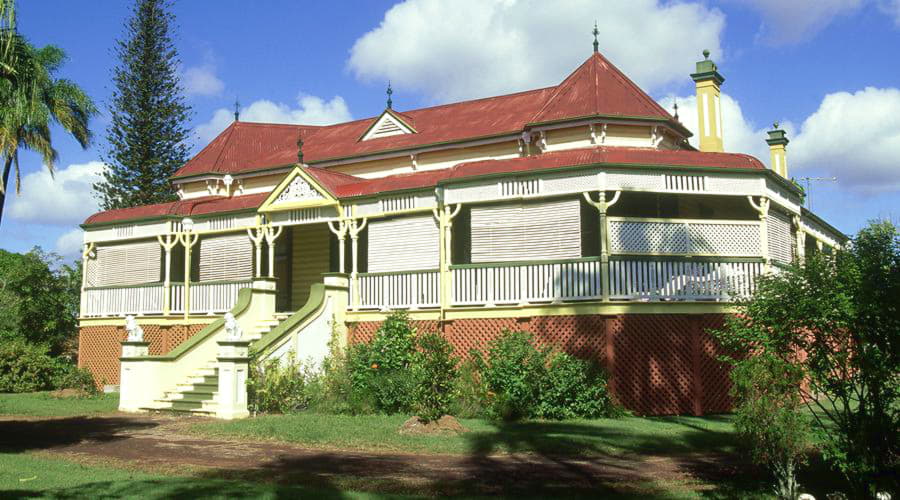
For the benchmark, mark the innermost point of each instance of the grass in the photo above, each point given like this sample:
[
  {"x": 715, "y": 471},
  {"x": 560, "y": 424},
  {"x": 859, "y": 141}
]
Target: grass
[
  {"x": 23, "y": 475},
  {"x": 43, "y": 404},
  {"x": 668, "y": 435}
]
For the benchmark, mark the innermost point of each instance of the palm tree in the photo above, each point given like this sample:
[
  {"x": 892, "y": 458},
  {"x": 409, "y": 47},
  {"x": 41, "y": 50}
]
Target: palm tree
[{"x": 31, "y": 102}]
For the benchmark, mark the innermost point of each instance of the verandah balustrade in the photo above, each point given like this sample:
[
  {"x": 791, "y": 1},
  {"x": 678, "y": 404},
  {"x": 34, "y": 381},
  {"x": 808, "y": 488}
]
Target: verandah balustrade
[{"x": 213, "y": 297}]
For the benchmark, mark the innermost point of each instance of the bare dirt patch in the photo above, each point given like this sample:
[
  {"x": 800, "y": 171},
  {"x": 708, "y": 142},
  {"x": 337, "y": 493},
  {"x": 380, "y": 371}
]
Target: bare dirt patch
[
  {"x": 157, "y": 443},
  {"x": 445, "y": 425}
]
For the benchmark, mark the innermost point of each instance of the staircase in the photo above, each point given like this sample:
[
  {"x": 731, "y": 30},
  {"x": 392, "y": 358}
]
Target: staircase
[{"x": 197, "y": 395}]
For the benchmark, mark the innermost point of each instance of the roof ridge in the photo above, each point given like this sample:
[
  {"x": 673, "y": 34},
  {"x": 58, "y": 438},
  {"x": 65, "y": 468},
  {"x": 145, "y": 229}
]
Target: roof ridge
[
  {"x": 620, "y": 75},
  {"x": 225, "y": 140}
]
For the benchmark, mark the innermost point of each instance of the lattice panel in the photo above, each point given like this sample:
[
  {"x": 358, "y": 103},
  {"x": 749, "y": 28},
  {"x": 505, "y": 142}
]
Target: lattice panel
[
  {"x": 652, "y": 366},
  {"x": 99, "y": 347},
  {"x": 571, "y": 184},
  {"x": 647, "y": 182},
  {"x": 725, "y": 239},
  {"x": 648, "y": 237},
  {"x": 660, "y": 364}
]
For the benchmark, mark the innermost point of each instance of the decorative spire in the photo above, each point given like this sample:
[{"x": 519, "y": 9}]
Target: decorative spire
[
  {"x": 237, "y": 109},
  {"x": 390, "y": 91},
  {"x": 676, "y": 109},
  {"x": 300, "y": 148},
  {"x": 596, "y": 42}
]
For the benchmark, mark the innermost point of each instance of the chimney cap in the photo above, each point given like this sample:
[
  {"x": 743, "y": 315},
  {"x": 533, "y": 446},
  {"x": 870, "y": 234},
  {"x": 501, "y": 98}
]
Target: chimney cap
[
  {"x": 707, "y": 70},
  {"x": 777, "y": 136}
]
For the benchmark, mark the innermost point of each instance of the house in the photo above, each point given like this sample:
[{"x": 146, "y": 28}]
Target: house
[{"x": 578, "y": 212}]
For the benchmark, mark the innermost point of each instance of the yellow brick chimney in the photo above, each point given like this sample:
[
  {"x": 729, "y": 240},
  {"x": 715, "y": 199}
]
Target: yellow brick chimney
[
  {"x": 778, "y": 142},
  {"x": 709, "y": 109}
]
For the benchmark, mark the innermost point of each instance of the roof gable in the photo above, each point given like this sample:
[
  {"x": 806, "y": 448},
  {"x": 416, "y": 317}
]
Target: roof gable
[
  {"x": 388, "y": 124},
  {"x": 297, "y": 190},
  {"x": 597, "y": 87}
]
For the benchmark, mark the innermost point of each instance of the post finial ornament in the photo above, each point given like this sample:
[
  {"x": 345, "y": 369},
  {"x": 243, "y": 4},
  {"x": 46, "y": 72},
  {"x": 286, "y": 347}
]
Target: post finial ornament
[
  {"x": 390, "y": 103},
  {"x": 237, "y": 109},
  {"x": 596, "y": 41}
]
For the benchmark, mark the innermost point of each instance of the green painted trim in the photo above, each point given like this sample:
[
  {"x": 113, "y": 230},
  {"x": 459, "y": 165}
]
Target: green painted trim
[
  {"x": 216, "y": 282},
  {"x": 377, "y": 196},
  {"x": 524, "y": 263},
  {"x": 398, "y": 273},
  {"x": 238, "y": 359},
  {"x": 237, "y": 175},
  {"x": 237, "y": 343},
  {"x": 684, "y": 258},
  {"x": 336, "y": 275},
  {"x": 316, "y": 299},
  {"x": 513, "y": 135},
  {"x": 243, "y": 302}
]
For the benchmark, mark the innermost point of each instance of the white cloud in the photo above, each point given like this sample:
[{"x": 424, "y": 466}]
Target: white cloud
[
  {"x": 64, "y": 199},
  {"x": 854, "y": 137},
  {"x": 310, "y": 110},
  {"x": 69, "y": 244},
  {"x": 796, "y": 21},
  {"x": 511, "y": 45},
  {"x": 202, "y": 80},
  {"x": 891, "y": 8}
]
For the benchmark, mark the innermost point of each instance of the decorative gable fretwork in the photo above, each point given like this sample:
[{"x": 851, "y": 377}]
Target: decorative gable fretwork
[{"x": 297, "y": 190}]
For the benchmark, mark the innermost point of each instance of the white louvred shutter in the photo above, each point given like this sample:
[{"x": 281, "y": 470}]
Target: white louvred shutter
[
  {"x": 526, "y": 231},
  {"x": 227, "y": 257},
  {"x": 403, "y": 244},
  {"x": 129, "y": 264}
]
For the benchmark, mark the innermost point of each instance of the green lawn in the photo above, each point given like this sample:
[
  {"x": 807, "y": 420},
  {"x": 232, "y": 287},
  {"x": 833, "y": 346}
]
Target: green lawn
[
  {"x": 42, "y": 404},
  {"x": 668, "y": 435},
  {"x": 23, "y": 475}
]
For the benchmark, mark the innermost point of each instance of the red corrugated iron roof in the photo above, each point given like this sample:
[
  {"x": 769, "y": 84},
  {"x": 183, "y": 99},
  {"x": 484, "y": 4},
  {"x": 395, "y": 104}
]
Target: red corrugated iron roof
[
  {"x": 346, "y": 186},
  {"x": 182, "y": 208},
  {"x": 594, "y": 88},
  {"x": 598, "y": 155}
]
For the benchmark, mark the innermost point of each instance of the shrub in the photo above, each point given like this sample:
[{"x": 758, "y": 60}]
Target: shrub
[
  {"x": 380, "y": 371},
  {"x": 25, "y": 367},
  {"x": 512, "y": 375},
  {"x": 522, "y": 380},
  {"x": 768, "y": 415},
  {"x": 470, "y": 392},
  {"x": 434, "y": 370},
  {"x": 69, "y": 376},
  {"x": 278, "y": 385},
  {"x": 573, "y": 388}
]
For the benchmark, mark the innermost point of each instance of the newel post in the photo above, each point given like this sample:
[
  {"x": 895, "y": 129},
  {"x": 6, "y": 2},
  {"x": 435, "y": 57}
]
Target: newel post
[
  {"x": 130, "y": 377},
  {"x": 234, "y": 368}
]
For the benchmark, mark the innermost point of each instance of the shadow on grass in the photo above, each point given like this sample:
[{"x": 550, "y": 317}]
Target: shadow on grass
[{"x": 24, "y": 435}]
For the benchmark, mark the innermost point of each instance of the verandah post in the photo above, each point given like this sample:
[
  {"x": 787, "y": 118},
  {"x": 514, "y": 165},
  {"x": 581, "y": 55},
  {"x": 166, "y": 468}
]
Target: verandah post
[{"x": 602, "y": 206}]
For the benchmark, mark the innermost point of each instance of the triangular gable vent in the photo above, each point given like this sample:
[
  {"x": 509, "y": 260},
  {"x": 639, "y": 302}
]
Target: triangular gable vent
[
  {"x": 298, "y": 190},
  {"x": 386, "y": 126}
]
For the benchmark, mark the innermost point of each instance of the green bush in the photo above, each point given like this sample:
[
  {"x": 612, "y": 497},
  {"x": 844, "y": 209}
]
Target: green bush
[
  {"x": 279, "y": 386},
  {"x": 25, "y": 367},
  {"x": 380, "y": 371},
  {"x": 69, "y": 376},
  {"x": 573, "y": 388},
  {"x": 434, "y": 371},
  {"x": 512, "y": 375},
  {"x": 522, "y": 380},
  {"x": 470, "y": 392}
]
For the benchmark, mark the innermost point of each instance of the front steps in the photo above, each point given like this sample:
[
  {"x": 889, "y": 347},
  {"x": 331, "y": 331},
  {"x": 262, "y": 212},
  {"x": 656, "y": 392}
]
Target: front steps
[{"x": 196, "y": 396}]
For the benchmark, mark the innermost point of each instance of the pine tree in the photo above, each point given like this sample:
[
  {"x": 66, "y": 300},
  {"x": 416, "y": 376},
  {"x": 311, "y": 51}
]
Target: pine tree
[{"x": 148, "y": 130}]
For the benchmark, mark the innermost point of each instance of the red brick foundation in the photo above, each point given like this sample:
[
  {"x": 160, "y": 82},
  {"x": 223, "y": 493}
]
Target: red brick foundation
[
  {"x": 99, "y": 347},
  {"x": 659, "y": 364}
]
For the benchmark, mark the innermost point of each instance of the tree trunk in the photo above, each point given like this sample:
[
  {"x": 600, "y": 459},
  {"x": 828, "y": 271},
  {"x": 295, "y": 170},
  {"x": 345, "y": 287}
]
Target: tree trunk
[{"x": 7, "y": 167}]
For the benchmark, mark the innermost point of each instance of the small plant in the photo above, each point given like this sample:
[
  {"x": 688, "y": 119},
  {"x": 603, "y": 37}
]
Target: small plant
[
  {"x": 470, "y": 392},
  {"x": 380, "y": 371},
  {"x": 434, "y": 370},
  {"x": 573, "y": 388},
  {"x": 512, "y": 375},
  {"x": 69, "y": 376}
]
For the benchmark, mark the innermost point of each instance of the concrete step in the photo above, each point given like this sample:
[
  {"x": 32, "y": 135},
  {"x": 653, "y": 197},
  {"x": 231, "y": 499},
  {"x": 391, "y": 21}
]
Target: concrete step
[{"x": 197, "y": 386}]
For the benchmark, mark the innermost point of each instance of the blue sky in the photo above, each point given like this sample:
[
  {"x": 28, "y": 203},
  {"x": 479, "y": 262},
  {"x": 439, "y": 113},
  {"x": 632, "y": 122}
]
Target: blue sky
[{"x": 827, "y": 69}]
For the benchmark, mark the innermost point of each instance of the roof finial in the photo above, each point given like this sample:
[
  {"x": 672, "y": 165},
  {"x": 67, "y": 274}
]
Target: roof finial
[
  {"x": 389, "y": 92},
  {"x": 596, "y": 42},
  {"x": 775, "y": 126},
  {"x": 300, "y": 148},
  {"x": 676, "y": 109},
  {"x": 705, "y": 53},
  {"x": 237, "y": 109}
]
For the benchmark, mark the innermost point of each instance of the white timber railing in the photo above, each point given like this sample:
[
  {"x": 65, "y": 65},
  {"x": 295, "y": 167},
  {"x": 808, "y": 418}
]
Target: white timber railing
[
  {"x": 121, "y": 301},
  {"x": 206, "y": 298},
  {"x": 526, "y": 282},
  {"x": 644, "y": 279},
  {"x": 405, "y": 290}
]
